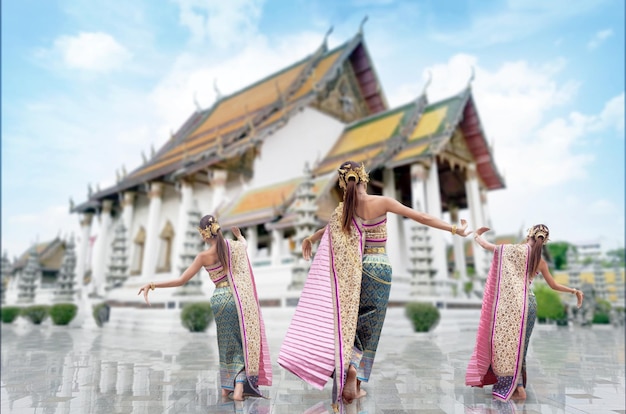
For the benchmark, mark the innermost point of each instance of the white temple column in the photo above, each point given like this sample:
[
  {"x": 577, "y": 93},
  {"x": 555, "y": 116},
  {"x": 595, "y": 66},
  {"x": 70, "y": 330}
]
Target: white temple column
[
  {"x": 433, "y": 207},
  {"x": 252, "y": 237},
  {"x": 396, "y": 241},
  {"x": 485, "y": 207},
  {"x": 186, "y": 201},
  {"x": 218, "y": 183},
  {"x": 128, "y": 208},
  {"x": 460, "y": 266},
  {"x": 418, "y": 188},
  {"x": 476, "y": 217},
  {"x": 276, "y": 248},
  {"x": 152, "y": 232},
  {"x": 83, "y": 252},
  {"x": 101, "y": 249}
]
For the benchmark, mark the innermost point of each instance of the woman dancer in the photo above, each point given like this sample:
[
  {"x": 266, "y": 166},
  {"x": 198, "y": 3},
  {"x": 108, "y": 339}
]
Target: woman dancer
[
  {"x": 243, "y": 350},
  {"x": 349, "y": 281},
  {"x": 508, "y": 314}
]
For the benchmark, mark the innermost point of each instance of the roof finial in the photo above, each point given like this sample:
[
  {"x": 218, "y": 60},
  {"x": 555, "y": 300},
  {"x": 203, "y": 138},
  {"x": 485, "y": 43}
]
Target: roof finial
[
  {"x": 362, "y": 24},
  {"x": 428, "y": 81},
  {"x": 218, "y": 94},
  {"x": 195, "y": 102},
  {"x": 471, "y": 78},
  {"x": 330, "y": 30}
]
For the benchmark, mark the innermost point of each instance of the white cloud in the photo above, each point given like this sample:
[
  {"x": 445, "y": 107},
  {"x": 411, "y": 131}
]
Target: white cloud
[
  {"x": 93, "y": 134},
  {"x": 599, "y": 38},
  {"x": 515, "y": 19},
  {"x": 193, "y": 76},
  {"x": 224, "y": 23},
  {"x": 98, "y": 52}
]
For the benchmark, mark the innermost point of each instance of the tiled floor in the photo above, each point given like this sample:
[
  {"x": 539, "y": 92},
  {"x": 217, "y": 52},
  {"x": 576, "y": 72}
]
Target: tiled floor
[{"x": 49, "y": 369}]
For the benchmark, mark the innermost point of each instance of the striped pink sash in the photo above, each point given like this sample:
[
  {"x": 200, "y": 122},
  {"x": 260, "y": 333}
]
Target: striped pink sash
[{"x": 308, "y": 350}]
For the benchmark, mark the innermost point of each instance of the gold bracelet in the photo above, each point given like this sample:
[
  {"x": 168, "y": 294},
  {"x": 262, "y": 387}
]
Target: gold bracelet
[
  {"x": 152, "y": 286},
  {"x": 453, "y": 231},
  {"x": 574, "y": 292}
]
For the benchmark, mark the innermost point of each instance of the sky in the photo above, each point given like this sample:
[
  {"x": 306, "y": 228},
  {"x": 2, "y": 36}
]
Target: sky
[{"x": 90, "y": 85}]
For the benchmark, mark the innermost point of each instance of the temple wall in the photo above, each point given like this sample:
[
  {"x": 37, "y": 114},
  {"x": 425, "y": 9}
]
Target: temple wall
[{"x": 307, "y": 137}]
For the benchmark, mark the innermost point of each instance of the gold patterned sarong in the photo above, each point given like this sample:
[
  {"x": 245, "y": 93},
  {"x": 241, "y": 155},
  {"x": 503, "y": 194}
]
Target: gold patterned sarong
[
  {"x": 501, "y": 338},
  {"x": 256, "y": 352}
]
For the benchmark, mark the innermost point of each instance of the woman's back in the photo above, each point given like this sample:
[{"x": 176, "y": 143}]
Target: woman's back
[{"x": 370, "y": 207}]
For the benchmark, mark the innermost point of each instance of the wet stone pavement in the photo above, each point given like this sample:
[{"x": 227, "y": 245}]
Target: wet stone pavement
[{"x": 51, "y": 369}]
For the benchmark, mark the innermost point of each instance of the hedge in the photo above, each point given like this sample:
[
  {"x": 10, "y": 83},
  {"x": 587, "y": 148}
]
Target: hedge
[
  {"x": 36, "y": 313},
  {"x": 63, "y": 313},
  {"x": 424, "y": 316},
  {"x": 196, "y": 316},
  {"x": 9, "y": 313}
]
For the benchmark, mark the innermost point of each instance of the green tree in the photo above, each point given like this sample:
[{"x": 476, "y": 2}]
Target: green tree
[
  {"x": 549, "y": 305},
  {"x": 558, "y": 251},
  {"x": 617, "y": 256}
]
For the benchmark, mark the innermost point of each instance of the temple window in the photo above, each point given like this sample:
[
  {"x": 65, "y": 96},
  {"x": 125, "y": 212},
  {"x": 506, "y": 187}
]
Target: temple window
[
  {"x": 140, "y": 241},
  {"x": 166, "y": 239}
]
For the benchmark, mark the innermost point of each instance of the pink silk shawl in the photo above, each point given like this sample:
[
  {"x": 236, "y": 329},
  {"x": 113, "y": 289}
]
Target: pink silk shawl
[
  {"x": 320, "y": 338},
  {"x": 499, "y": 349},
  {"x": 254, "y": 341}
]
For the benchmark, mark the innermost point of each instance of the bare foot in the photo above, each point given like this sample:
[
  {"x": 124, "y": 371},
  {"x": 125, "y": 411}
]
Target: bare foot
[
  {"x": 238, "y": 393},
  {"x": 349, "y": 389},
  {"x": 359, "y": 392},
  {"x": 519, "y": 393}
]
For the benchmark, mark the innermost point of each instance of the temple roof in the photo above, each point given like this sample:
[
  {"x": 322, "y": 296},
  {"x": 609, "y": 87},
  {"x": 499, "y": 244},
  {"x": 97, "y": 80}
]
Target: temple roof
[
  {"x": 49, "y": 254},
  {"x": 415, "y": 131},
  {"x": 264, "y": 204},
  {"x": 236, "y": 123}
]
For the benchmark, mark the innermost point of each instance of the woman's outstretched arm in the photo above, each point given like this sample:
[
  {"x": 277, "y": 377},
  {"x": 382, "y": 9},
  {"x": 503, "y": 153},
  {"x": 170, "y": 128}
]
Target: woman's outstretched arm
[
  {"x": 543, "y": 268},
  {"x": 179, "y": 281},
  {"x": 239, "y": 236},
  {"x": 394, "y": 206},
  {"x": 482, "y": 242},
  {"x": 307, "y": 244}
]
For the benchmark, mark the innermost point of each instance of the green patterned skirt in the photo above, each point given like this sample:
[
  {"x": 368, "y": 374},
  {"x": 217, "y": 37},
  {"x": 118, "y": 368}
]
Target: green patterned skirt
[
  {"x": 375, "y": 288},
  {"x": 228, "y": 337}
]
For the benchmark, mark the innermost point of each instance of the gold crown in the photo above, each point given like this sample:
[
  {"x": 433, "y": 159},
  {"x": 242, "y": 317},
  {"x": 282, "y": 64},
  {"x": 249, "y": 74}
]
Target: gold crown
[
  {"x": 346, "y": 172},
  {"x": 539, "y": 231},
  {"x": 210, "y": 230}
]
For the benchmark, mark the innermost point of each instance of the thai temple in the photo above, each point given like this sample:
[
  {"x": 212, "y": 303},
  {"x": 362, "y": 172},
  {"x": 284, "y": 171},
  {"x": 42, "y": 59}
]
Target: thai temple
[{"x": 264, "y": 159}]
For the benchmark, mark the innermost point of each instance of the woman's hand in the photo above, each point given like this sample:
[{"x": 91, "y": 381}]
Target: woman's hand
[
  {"x": 481, "y": 230},
  {"x": 579, "y": 296},
  {"x": 307, "y": 248},
  {"x": 236, "y": 232},
  {"x": 145, "y": 289},
  {"x": 462, "y": 231}
]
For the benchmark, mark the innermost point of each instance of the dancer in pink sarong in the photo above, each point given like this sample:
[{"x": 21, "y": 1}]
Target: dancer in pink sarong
[
  {"x": 336, "y": 327},
  {"x": 508, "y": 314},
  {"x": 243, "y": 351}
]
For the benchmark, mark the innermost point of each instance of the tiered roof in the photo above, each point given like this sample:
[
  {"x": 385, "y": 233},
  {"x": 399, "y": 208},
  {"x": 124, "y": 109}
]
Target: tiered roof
[
  {"x": 50, "y": 255},
  {"x": 264, "y": 204},
  {"x": 231, "y": 129},
  {"x": 415, "y": 131}
]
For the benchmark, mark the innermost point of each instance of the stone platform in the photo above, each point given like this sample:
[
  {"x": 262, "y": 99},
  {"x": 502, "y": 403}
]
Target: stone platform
[{"x": 51, "y": 369}]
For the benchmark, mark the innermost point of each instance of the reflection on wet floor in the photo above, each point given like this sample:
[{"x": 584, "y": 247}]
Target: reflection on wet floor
[{"x": 49, "y": 369}]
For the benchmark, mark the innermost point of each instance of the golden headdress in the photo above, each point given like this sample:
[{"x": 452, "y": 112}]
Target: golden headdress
[
  {"x": 540, "y": 230},
  {"x": 210, "y": 230},
  {"x": 347, "y": 171}
]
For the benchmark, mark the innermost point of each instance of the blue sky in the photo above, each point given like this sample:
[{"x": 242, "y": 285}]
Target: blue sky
[{"x": 87, "y": 86}]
